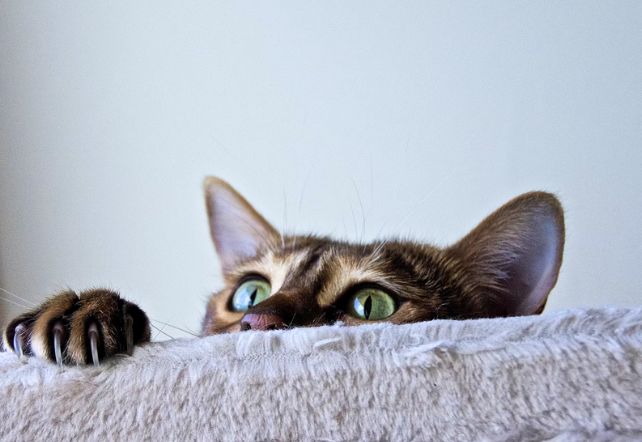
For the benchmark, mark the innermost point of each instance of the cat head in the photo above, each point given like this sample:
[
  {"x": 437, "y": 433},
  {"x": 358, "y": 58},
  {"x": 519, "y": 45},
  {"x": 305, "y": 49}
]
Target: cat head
[{"x": 506, "y": 266}]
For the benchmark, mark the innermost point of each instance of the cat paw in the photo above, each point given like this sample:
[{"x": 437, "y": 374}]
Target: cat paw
[{"x": 78, "y": 329}]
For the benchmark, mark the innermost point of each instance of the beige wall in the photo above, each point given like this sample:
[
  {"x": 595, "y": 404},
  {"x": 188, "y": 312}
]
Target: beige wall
[{"x": 356, "y": 119}]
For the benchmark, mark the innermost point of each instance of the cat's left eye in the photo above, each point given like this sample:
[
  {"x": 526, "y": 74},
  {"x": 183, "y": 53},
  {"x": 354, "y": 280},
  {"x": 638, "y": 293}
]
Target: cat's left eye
[
  {"x": 371, "y": 304},
  {"x": 249, "y": 294}
]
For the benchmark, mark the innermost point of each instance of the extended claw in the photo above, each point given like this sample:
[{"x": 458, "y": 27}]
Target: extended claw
[
  {"x": 58, "y": 331},
  {"x": 17, "y": 340},
  {"x": 93, "y": 343}
]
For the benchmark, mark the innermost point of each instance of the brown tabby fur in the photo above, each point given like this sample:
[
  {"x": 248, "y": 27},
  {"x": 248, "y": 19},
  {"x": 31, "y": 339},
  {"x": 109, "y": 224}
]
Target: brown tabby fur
[{"x": 312, "y": 278}]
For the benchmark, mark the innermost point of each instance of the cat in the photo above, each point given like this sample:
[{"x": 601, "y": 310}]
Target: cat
[{"x": 506, "y": 266}]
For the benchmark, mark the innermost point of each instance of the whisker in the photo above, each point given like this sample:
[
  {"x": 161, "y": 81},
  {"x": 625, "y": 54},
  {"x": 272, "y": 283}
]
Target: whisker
[
  {"x": 416, "y": 207},
  {"x": 15, "y": 303},
  {"x": 318, "y": 320},
  {"x": 18, "y": 297},
  {"x": 292, "y": 320},
  {"x": 354, "y": 221},
  {"x": 175, "y": 327},
  {"x": 162, "y": 331},
  {"x": 363, "y": 213},
  {"x": 285, "y": 219}
]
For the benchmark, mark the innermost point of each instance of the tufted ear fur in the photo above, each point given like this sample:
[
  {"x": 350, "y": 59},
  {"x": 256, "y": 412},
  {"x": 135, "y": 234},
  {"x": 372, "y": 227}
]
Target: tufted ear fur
[
  {"x": 513, "y": 257},
  {"x": 238, "y": 230}
]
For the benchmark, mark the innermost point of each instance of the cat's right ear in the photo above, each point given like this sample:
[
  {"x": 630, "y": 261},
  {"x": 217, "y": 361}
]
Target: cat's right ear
[
  {"x": 512, "y": 258},
  {"x": 238, "y": 230}
]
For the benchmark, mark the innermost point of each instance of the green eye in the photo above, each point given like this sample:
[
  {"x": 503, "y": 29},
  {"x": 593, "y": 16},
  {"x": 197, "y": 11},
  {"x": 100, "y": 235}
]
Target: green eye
[
  {"x": 249, "y": 294},
  {"x": 371, "y": 304}
]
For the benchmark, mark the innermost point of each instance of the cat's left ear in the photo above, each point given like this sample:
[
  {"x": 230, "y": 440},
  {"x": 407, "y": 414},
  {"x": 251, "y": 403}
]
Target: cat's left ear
[
  {"x": 513, "y": 257},
  {"x": 238, "y": 230}
]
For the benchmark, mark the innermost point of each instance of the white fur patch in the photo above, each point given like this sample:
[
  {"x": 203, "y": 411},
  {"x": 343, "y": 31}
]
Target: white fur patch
[
  {"x": 39, "y": 345},
  {"x": 275, "y": 268}
]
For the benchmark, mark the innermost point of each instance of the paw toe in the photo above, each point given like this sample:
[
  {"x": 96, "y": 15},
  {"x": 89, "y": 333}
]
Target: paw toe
[
  {"x": 49, "y": 330},
  {"x": 73, "y": 329}
]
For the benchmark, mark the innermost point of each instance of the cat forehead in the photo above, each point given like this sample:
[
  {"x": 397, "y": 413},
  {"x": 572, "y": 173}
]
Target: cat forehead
[{"x": 331, "y": 266}]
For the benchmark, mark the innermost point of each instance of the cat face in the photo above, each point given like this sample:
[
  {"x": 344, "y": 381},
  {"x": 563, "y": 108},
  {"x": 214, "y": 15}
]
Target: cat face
[{"x": 506, "y": 266}]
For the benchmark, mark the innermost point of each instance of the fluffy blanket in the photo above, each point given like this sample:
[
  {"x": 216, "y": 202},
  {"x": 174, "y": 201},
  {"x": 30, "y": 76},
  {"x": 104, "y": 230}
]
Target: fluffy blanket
[{"x": 573, "y": 375}]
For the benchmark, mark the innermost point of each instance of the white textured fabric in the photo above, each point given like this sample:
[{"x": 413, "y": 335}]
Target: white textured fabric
[{"x": 574, "y": 375}]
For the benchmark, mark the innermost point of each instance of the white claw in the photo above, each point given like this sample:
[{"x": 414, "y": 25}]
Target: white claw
[
  {"x": 93, "y": 343},
  {"x": 57, "y": 338},
  {"x": 129, "y": 334},
  {"x": 17, "y": 340}
]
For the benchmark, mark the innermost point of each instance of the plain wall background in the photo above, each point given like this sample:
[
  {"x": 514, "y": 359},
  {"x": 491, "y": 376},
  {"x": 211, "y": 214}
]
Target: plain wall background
[{"x": 358, "y": 119}]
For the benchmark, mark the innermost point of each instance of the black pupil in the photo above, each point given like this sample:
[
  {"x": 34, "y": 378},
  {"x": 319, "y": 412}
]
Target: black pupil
[
  {"x": 253, "y": 295},
  {"x": 367, "y": 307}
]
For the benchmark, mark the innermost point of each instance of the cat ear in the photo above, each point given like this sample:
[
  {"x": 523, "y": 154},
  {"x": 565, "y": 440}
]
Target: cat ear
[
  {"x": 238, "y": 230},
  {"x": 513, "y": 257}
]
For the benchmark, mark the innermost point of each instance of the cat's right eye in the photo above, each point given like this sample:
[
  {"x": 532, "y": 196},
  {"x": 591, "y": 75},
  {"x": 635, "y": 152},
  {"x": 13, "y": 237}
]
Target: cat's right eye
[
  {"x": 371, "y": 304},
  {"x": 250, "y": 293}
]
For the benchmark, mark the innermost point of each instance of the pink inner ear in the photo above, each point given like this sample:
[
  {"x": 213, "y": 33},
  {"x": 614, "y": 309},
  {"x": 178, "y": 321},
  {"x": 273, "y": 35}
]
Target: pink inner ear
[
  {"x": 236, "y": 233},
  {"x": 239, "y": 232},
  {"x": 533, "y": 273},
  {"x": 513, "y": 257}
]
